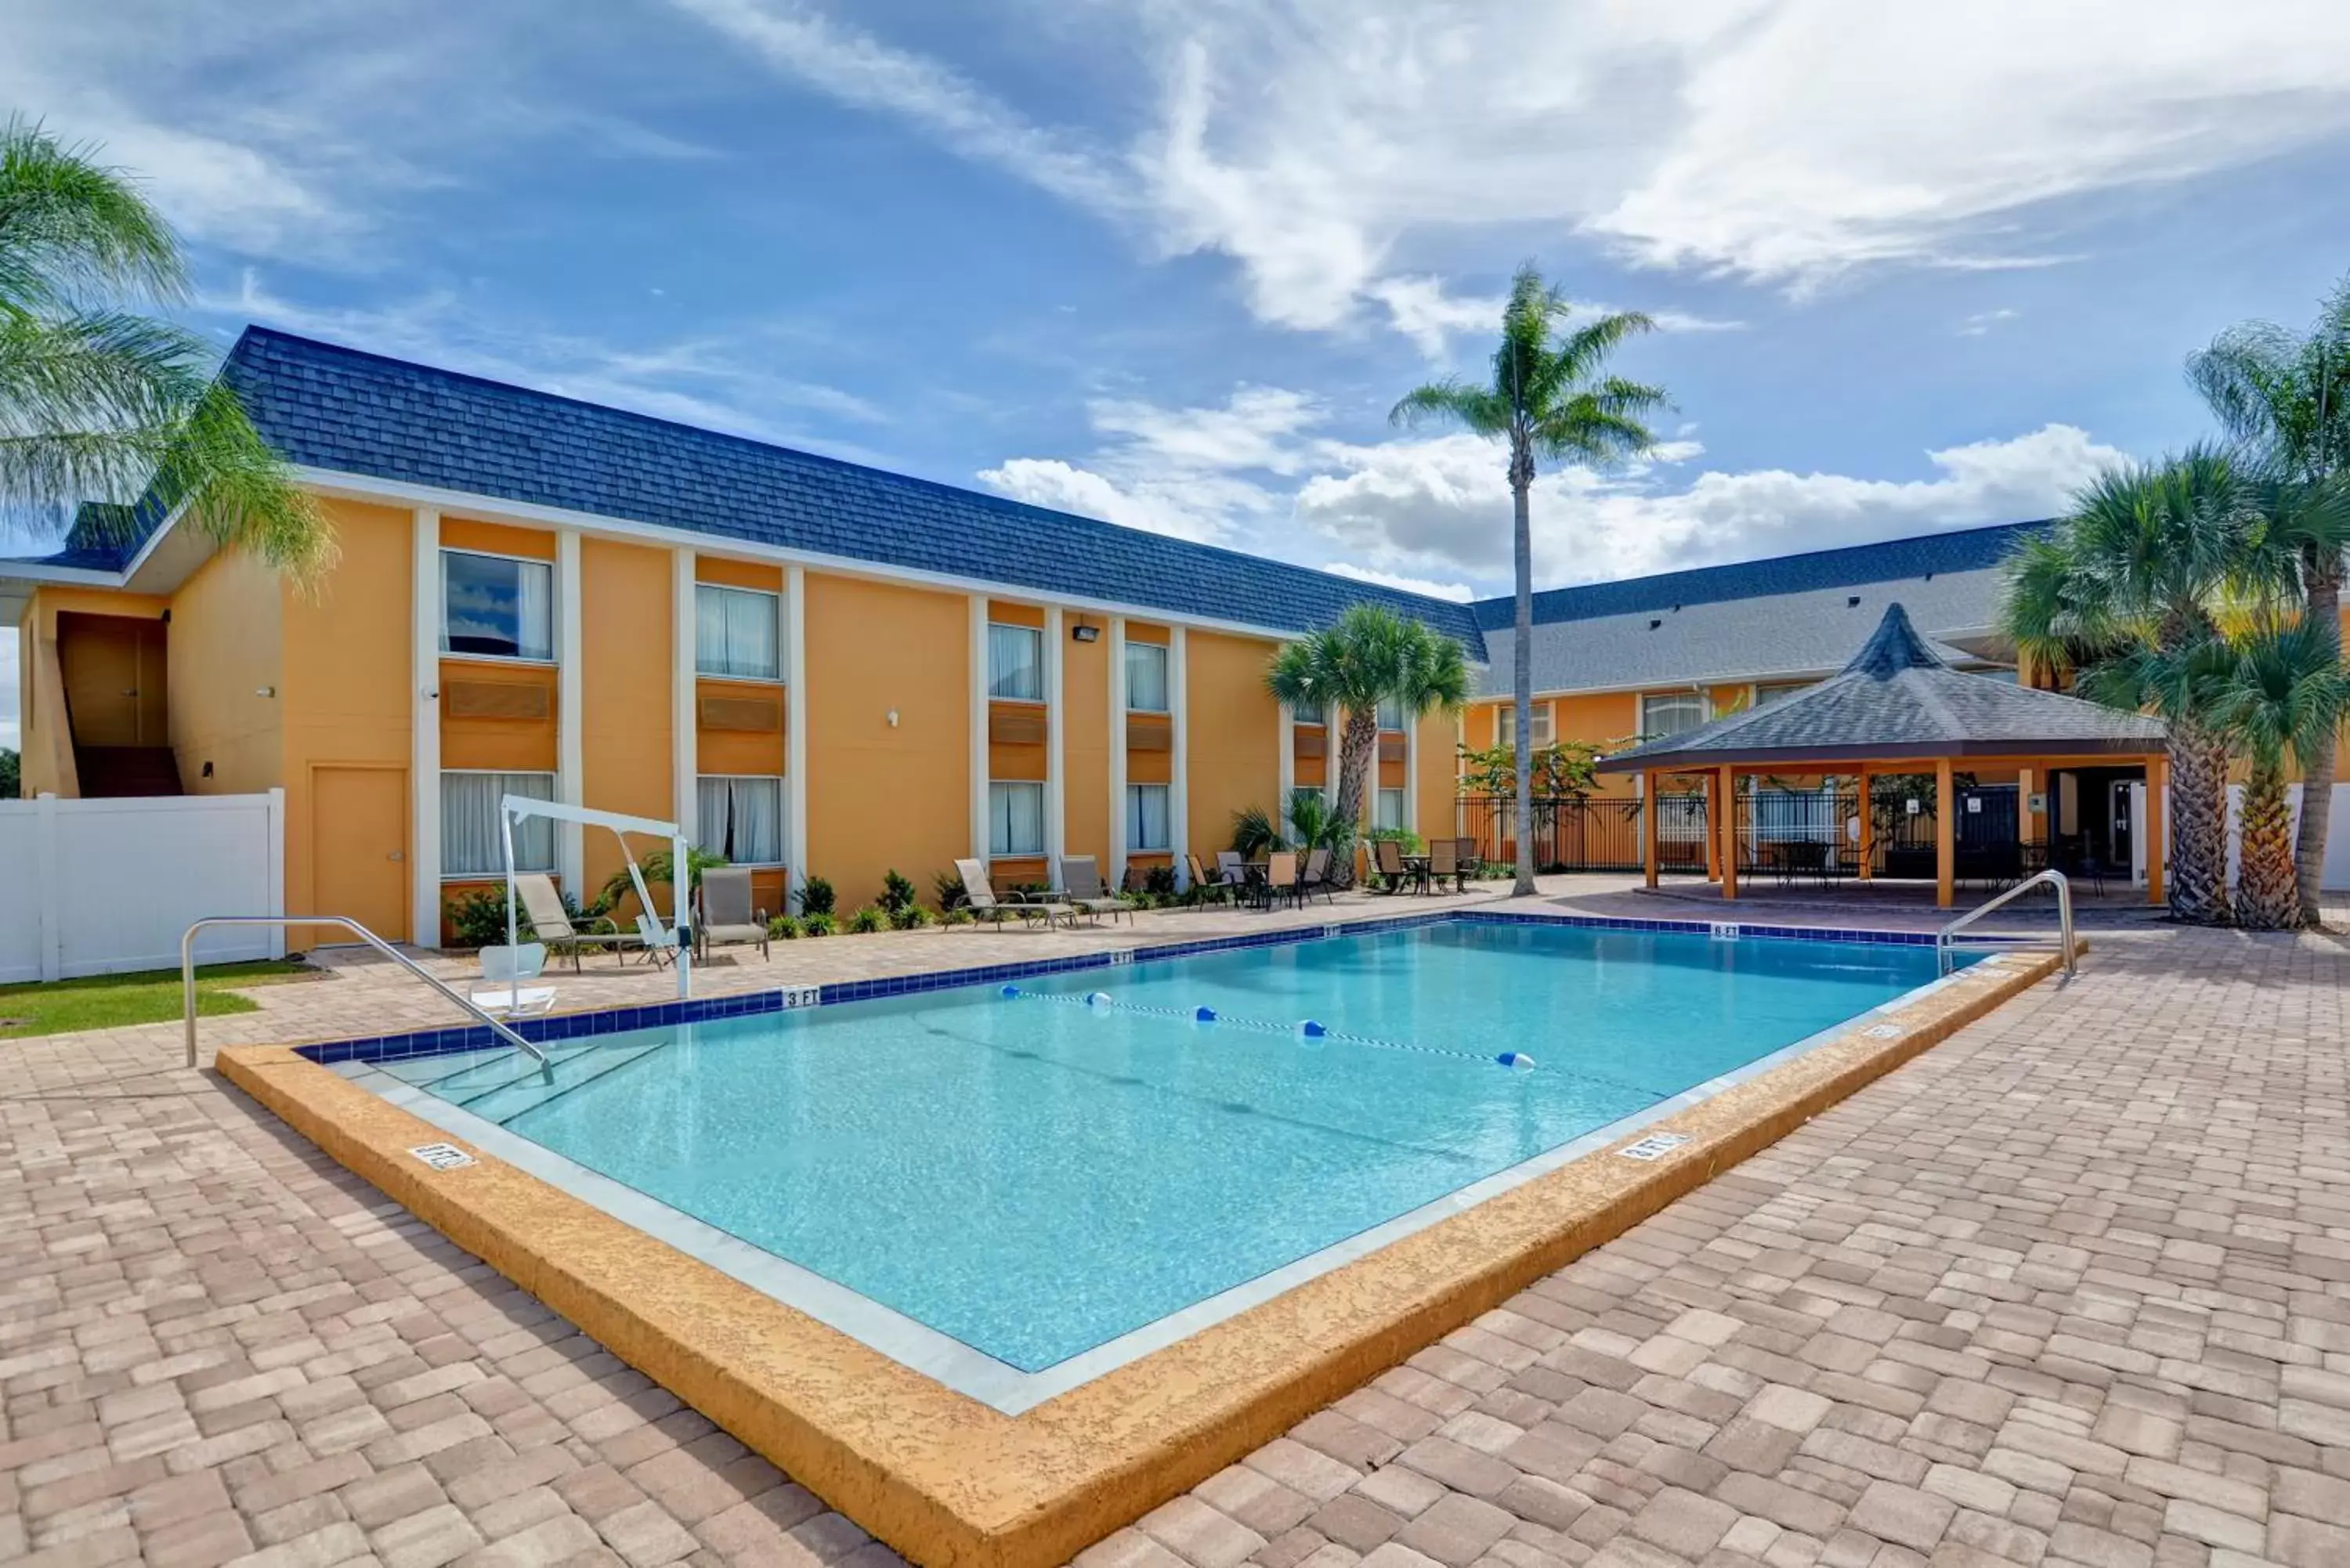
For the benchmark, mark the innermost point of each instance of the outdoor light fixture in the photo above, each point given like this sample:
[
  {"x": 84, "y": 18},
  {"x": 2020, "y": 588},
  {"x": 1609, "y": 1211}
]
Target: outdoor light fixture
[{"x": 1084, "y": 633}]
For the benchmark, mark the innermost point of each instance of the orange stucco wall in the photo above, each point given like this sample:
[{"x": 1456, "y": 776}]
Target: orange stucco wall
[
  {"x": 624, "y": 747},
  {"x": 227, "y": 647},
  {"x": 750, "y": 751},
  {"x": 346, "y": 691},
  {"x": 496, "y": 538},
  {"x": 879, "y": 795},
  {"x": 1084, "y": 744},
  {"x": 1436, "y": 766},
  {"x": 1232, "y": 734}
]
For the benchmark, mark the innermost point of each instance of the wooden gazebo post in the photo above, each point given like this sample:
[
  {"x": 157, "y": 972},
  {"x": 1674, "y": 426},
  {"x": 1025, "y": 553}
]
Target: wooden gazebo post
[
  {"x": 1945, "y": 835},
  {"x": 1653, "y": 808},
  {"x": 1866, "y": 849},
  {"x": 2157, "y": 787},
  {"x": 1729, "y": 833}
]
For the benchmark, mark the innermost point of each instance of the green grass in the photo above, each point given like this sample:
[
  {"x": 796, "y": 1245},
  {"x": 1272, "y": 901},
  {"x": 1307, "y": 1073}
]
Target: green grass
[{"x": 144, "y": 996}]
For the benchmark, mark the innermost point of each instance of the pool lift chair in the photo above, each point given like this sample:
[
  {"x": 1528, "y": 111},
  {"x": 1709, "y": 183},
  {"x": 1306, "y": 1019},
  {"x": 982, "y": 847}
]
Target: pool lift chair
[{"x": 674, "y": 939}]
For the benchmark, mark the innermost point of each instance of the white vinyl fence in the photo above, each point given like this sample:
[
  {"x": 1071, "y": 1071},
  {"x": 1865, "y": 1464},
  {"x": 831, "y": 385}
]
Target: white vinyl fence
[
  {"x": 2336, "y": 876},
  {"x": 99, "y": 887}
]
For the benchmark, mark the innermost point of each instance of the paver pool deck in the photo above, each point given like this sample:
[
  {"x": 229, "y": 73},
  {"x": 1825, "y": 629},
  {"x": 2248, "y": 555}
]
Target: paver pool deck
[{"x": 2073, "y": 1287}]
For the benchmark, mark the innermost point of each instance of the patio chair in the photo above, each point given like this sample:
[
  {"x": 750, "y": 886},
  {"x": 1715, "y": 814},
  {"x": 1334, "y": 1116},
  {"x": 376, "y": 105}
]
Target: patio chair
[
  {"x": 1318, "y": 877},
  {"x": 1029, "y": 907},
  {"x": 722, "y": 913},
  {"x": 1386, "y": 862},
  {"x": 1472, "y": 864},
  {"x": 1083, "y": 884},
  {"x": 1444, "y": 865},
  {"x": 1231, "y": 869},
  {"x": 1281, "y": 879},
  {"x": 1212, "y": 887},
  {"x": 499, "y": 992},
  {"x": 550, "y": 922}
]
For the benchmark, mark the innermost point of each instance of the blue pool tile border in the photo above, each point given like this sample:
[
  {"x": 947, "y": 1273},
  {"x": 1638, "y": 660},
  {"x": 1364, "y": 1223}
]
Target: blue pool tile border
[{"x": 571, "y": 1026}]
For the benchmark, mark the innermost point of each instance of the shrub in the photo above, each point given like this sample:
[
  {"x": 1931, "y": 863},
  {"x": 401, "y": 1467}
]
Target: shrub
[
  {"x": 783, "y": 929},
  {"x": 478, "y": 917},
  {"x": 912, "y": 918},
  {"x": 946, "y": 886},
  {"x": 817, "y": 925},
  {"x": 958, "y": 916},
  {"x": 1159, "y": 885},
  {"x": 1253, "y": 832},
  {"x": 871, "y": 918},
  {"x": 1409, "y": 841},
  {"x": 816, "y": 896},
  {"x": 896, "y": 892}
]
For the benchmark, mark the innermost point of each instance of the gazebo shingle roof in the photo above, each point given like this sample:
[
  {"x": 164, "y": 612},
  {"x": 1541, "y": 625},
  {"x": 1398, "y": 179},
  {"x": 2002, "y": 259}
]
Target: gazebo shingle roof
[{"x": 1897, "y": 700}]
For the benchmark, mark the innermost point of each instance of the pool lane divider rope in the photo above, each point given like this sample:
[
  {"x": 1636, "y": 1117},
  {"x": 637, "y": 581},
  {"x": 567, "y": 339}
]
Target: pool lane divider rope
[{"x": 1303, "y": 1029}]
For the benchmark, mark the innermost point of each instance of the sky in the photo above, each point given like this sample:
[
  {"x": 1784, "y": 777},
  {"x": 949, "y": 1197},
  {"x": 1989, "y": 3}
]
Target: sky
[{"x": 1172, "y": 264}]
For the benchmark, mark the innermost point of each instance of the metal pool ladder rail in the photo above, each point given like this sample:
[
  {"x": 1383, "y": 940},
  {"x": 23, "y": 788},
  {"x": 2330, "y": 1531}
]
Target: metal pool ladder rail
[
  {"x": 188, "y": 973},
  {"x": 1947, "y": 937}
]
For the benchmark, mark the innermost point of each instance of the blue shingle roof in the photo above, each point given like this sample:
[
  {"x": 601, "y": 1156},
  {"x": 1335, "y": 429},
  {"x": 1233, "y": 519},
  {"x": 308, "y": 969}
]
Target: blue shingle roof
[
  {"x": 338, "y": 409},
  {"x": 1954, "y": 550}
]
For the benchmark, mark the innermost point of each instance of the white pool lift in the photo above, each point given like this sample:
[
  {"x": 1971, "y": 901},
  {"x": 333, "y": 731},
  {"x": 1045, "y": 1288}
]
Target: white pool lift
[{"x": 674, "y": 937}]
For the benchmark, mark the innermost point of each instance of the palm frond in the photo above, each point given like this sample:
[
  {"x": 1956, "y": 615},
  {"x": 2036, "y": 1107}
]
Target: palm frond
[
  {"x": 1473, "y": 408},
  {"x": 70, "y": 225}
]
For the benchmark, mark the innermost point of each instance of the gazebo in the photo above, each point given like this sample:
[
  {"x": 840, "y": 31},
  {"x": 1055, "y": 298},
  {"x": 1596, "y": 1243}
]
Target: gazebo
[{"x": 1897, "y": 707}]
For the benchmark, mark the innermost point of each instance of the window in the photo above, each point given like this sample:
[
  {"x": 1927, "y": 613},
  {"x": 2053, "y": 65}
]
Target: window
[
  {"x": 1016, "y": 819},
  {"x": 1505, "y": 729},
  {"x": 1147, "y": 825},
  {"x": 1146, "y": 678},
  {"x": 739, "y": 817},
  {"x": 469, "y": 823},
  {"x": 1772, "y": 692},
  {"x": 1306, "y": 712},
  {"x": 735, "y": 632},
  {"x": 2005, "y": 677},
  {"x": 1390, "y": 812},
  {"x": 1390, "y": 714},
  {"x": 494, "y": 607},
  {"x": 1015, "y": 663},
  {"x": 1671, "y": 713}
]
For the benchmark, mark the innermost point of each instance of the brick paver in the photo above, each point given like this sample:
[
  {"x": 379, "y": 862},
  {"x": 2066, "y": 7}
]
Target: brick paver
[{"x": 2071, "y": 1288}]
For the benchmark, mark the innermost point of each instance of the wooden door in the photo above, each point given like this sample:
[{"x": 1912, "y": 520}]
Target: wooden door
[
  {"x": 113, "y": 672},
  {"x": 359, "y": 849}
]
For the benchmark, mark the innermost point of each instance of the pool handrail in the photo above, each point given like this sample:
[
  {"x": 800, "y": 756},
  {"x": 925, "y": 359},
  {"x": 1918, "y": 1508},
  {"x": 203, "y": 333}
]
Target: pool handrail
[
  {"x": 188, "y": 973},
  {"x": 1947, "y": 937}
]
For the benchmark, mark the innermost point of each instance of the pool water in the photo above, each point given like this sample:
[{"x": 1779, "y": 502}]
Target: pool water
[{"x": 1033, "y": 1176}]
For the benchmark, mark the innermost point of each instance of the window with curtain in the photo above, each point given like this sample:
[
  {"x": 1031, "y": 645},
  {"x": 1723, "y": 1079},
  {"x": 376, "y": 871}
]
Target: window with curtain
[
  {"x": 1672, "y": 713},
  {"x": 735, "y": 632},
  {"x": 740, "y": 818},
  {"x": 1015, "y": 663},
  {"x": 1148, "y": 825},
  {"x": 469, "y": 823},
  {"x": 1146, "y": 678},
  {"x": 1390, "y": 809},
  {"x": 1307, "y": 712},
  {"x": 1015, "y": 819},
  {"x": 1507, "y": 727},
  {"x": 1772, "y": 692},
  {"x": 495, "y": 606},
  {"x": 1390, "y": 714}
]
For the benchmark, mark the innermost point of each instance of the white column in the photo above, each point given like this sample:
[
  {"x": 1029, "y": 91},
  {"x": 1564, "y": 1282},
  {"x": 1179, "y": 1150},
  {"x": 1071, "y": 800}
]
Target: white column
[
  {"x": 1117, "y": 752},
  {"x": 1179, "y": 761},
  {"x": 424, "y": 729},
  {"x": 570, "y": 767},
  {"x": 685, "y": 734},
  {"x": 1410, "y": 775},
  {"x": 1287, "y": 730},
  {"x": 796, "y": 766},
  {"x": 979, "y": 755},
  {"x": 1056, "y": 825}
]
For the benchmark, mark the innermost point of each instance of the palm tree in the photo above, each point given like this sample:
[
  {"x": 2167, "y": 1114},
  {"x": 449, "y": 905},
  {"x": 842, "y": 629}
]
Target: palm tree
[
  {"x": 1549, "y": 398},
  {"x": 2144, "y": 564},
  {"x": 1367, "y": 657},
  {"x": 2278, "y": 695},
  {"x": 2286, "y": 395},
  {"x": 99, "y": 403}
]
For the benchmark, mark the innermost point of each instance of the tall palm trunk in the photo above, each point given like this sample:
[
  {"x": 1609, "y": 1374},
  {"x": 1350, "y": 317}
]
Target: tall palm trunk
[
  {"x": 1521, "y": 658},
  {"x": 2199, "y": 818},
  {"x": 2322, "y": 590},
  {"x": 1358, "y": 740},
  {"x": 2266, "y": 897}
]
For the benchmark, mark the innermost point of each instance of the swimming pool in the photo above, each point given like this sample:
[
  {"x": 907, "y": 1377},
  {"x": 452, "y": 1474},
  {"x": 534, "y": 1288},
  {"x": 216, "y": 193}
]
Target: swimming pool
[{"x": 1039, "y": 1176}]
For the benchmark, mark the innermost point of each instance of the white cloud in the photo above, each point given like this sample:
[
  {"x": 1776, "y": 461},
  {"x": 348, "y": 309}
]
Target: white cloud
[
  {"x": 1982, "y": 321},
  {"x": 1458, "y": 592}
]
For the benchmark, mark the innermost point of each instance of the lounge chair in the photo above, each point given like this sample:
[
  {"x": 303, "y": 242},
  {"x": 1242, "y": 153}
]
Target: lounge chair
[
  {"x": 723, "y": 914},
  {"x": 1444, "y": 865},
  {"x": 1083, "y": 884},
  {"x": 1387, "y": 861},
  {"x": 499, "y": 991},
  {"x": 1318, "y": 877},
  {"x": 550, "y": 922},
  {"x": 1029, "y": 907}
]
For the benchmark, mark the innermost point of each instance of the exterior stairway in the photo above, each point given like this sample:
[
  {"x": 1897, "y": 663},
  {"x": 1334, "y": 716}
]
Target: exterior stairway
[{"x": 115, "y": 772}]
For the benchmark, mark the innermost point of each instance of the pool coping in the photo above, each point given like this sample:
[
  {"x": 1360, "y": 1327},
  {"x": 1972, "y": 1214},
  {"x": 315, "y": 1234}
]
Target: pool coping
[{"x": 947, "y": 1478}]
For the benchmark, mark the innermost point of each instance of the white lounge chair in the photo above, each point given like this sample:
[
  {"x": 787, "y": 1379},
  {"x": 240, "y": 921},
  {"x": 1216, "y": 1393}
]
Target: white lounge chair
[
  {"x": 499, "y": 991},
  {"x": 1086, "y": 890},
  {"x": 550, "y": 922}
]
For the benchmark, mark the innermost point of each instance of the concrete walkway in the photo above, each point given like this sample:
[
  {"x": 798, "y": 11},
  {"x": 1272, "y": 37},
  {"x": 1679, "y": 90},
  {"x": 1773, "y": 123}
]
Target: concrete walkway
[{"x": 2071, "y": 1288}]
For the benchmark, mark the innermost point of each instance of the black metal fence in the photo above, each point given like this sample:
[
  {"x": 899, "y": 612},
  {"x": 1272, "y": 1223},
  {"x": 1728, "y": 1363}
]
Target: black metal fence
[{"x": 1792, "y": 831}]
